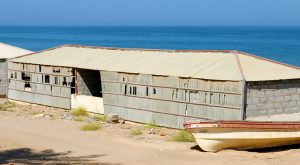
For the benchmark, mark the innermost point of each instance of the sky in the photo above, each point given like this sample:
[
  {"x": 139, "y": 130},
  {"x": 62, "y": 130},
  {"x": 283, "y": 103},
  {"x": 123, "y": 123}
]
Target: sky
[{"x": 149, "y": 12}]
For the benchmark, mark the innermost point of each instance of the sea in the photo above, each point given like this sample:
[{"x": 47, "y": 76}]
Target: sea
[{"x": 277, "y": 43}]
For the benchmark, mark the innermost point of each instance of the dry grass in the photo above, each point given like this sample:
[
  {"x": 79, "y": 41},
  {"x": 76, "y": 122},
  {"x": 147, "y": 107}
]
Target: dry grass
[
  {"x": 7, "y": 105},
  {"x": 35, "y": 113},
  {"x": 91, "y": 127},
  {"x": 136, "y": 132},
  {"x": 152, "y": 124},
  {"x": 79, "y": 118},
  {"x": 99, "y": 118},
  {"x": 182, "y": 136},
  {"x": 79, "y": 111}
]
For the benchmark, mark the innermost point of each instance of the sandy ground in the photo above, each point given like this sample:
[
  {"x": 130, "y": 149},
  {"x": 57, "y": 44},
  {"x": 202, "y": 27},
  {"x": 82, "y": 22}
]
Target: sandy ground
[{"x": 25, "y": 139}]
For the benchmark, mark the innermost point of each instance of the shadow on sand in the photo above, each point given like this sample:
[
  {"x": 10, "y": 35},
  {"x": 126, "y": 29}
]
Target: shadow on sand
[
  {"x": 28, "y": 156},
  {"x": 263, "y": 150},
  {"x": 276, "y": 149}
]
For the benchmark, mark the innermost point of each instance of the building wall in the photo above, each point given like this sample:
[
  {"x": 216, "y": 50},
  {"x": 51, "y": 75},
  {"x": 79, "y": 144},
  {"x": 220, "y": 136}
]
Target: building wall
[
  {"x": 169, "y": 101},
  {"x": 38, "y": 84},
  {"x": 272, "y": 98},
  {"x": 3, "y": 77}
]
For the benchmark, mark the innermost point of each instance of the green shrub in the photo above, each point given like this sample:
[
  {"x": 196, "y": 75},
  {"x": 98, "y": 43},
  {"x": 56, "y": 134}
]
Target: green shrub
[
  {"x": 182, "y": 136},
  {"x": 152, "y": 124},
  {"x": 136, "y": 132},
  {"x": 79, "y": 111},
  {"x": 79, "y": 118},
  {"x": 99, "y": 118},
  {"x": 35, "y": 113},
  {"x": 90, "y": 127},
  {"x": 7, "y": 105}
]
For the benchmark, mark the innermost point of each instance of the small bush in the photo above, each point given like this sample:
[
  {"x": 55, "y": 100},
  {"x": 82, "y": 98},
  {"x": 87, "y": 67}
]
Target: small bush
[
  {"x": 79, "y": 111},
  {"x": 35, "y": 113},
  {"x": 182, "y": 136},
  {"x": 90, "y": 127},
  {"x": 79, "y": 118},
  {"x": 7, "y": 105},
  {"x": 99, "y": 118},
  {"x": 151, "y": 125},
  {"x": 136, "y": 132}
]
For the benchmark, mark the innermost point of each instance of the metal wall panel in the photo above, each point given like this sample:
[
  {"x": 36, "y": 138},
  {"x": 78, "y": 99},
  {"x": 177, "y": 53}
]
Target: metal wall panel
[
  {"x": 3, "y": 77},
  {"x": 55, "y": 93},
  {"x": 169, "y": 101}
]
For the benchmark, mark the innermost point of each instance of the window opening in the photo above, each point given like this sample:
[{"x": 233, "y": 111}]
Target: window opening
[
  {"x": 125, "y": 90},
  {"x": 56, "y": 80},
  {"x": 47, "y": 79},
  {"x": 147, "y": 91},
  {"x": 65, "y": 81},
  {"x": 27, "y": 86},
  {"x": 25, "y": 76},
  {"x": 56, "y": 70},
  {"x": 134, "y": 90}
]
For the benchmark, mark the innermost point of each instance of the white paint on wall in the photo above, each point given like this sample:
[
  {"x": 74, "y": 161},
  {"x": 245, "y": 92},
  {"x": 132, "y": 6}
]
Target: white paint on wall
[{"x": 91, "y": 103}]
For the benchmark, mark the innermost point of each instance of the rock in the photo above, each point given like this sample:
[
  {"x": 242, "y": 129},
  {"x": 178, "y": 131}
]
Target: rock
[
  {"x": 90, "y": 120},
  {"x": 122, "y": 121},
  {"x": 112, "y": 118},
  {"x": 67, "y": 117},
  {"x": 49, "y": 116},
  {"x": 152, "y": 131},
  {"x": 41, "y": 115}
]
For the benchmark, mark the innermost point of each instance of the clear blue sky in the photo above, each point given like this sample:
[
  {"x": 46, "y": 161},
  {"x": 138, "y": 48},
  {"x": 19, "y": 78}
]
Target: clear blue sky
[{"x": 149, "y": 12}]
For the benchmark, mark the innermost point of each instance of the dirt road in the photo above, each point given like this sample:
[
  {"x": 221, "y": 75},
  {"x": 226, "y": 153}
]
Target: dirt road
[{"x": 29, "y": 140}]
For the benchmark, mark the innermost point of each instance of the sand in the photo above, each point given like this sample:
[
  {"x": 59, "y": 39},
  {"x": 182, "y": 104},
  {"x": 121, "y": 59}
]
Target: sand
[{"x": 25, "y": 139}]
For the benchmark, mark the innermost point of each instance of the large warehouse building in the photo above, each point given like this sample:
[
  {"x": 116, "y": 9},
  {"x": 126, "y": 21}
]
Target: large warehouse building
[
  {"x": 7, "y": 52},
  {"x": 164, "y": 86}
]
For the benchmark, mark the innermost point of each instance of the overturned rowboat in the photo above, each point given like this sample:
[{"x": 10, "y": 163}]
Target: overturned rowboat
[{"x": 214, "y": 136}]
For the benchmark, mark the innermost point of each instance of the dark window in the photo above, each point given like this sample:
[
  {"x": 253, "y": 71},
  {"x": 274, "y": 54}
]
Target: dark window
[
  {"x": 147, "y": 91},
  {"x": 123, "y": 78},
  {"x": 154, "y": 91},
  {"x": 27, "y": 85},
  {"x": 47, "y": 79},
  {"x": 65, "y": 81},
  {"x": 125, "y": 90},
  {"x": 16, "y": 75},
  {"x": 40, "y": 68},
  {"x": 56, "y": 70},
  {"x": 25, "y": 76},
  {"x": 130, "y": 90},
  {"x": 11, "y": 75},
  {"x": 56, "y": 80},
  {"x": 134, "y": 90},
  {"x": 73, "y": 86}
]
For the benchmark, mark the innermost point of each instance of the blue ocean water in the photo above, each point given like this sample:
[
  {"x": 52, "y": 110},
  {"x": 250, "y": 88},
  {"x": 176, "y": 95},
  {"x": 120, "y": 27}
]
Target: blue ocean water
[{"x": 277, "y": 43}]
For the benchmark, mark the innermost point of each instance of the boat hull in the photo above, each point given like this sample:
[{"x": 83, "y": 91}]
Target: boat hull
[{"x": 215, "y": 137}]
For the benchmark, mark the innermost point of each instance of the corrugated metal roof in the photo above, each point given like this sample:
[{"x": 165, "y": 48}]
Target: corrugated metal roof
[
  {"x": 213, "y": 65},
  {"x": 9, "y": 51}
]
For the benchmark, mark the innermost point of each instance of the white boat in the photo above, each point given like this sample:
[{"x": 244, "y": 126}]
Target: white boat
[{"x": 214, "y": 136}]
